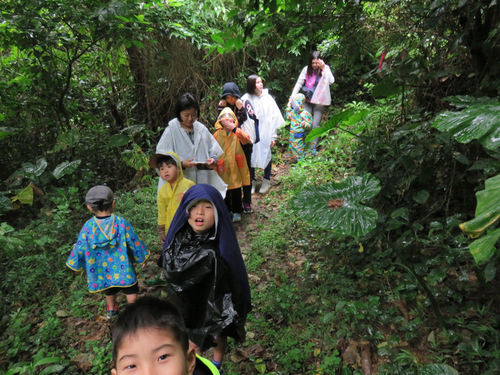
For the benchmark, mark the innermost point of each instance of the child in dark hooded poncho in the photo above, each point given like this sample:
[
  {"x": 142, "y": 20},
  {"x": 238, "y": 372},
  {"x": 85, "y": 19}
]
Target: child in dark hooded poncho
[{"x": 205, "y": 272}]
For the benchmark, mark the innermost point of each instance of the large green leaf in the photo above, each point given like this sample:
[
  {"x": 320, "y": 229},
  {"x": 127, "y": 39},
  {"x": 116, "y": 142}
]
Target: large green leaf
[
  {"x": 487, "y": 215},
  {"x": 487, "y": 209},
  {"x": 348, "y": 117},
  {"x": 480, "y": 120},
  {"x": 25, "y": 196},
  {"x": 34, "y": 170},
  {"x": 65, "y": 168},
  {"x": 118, "y": 140},
  {"x": 484, "y": 248},
  {"x": 339, "y": 206}
]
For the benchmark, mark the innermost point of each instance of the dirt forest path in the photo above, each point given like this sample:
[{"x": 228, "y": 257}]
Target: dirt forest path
[{"x": 265, "y": 207}]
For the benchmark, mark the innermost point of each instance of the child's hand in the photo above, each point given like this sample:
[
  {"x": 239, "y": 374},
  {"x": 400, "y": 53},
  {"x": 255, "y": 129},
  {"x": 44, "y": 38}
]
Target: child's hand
[
  {"x": 239, "y": 104},
  {"x": 222, "y": 103},
  {"x": 188, "y": 163}
]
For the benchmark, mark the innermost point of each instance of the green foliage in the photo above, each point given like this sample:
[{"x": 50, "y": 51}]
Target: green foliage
[
  {"x": 478, "y": 120},
  {"x": 487, "y": 214},
  {"x": 86, "y": 91},
  {"x": 339, "y": 206},
  {"x": 41, "y": 365},
  {"x": 348, "y": 118}
]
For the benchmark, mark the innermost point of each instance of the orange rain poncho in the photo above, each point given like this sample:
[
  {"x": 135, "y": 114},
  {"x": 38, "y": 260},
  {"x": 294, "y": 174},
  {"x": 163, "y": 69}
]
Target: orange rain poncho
[{"x": 232, "y": 165}]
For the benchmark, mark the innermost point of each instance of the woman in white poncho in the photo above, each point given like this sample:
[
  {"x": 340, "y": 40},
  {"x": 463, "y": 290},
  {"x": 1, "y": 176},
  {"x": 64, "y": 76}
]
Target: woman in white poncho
[
  {"x": 269, "y": 119},
  {"x": 193, "y": 143}
]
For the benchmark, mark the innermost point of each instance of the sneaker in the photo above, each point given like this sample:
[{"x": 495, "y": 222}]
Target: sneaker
[
  {"x": 266, "y": 184},
  {"x": 247, "y": 208},
  {"x": 236, "y": 217},
  {"x": 112, "y": 313}
]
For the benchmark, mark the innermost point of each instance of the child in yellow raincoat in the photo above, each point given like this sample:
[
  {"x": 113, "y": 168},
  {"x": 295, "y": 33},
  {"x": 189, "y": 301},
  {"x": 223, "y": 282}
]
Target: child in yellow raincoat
[
  {"x": 170, "y": 194},
  {"x": 232, "y": 165}
]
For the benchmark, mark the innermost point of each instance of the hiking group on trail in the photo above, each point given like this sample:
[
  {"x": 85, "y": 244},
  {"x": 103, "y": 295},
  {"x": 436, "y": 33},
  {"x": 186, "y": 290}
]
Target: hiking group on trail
[{"x": 205, "y": 184}]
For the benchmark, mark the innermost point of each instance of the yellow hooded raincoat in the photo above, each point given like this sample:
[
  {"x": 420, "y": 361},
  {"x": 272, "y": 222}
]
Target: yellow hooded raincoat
[{"x": 169, "y": 196}]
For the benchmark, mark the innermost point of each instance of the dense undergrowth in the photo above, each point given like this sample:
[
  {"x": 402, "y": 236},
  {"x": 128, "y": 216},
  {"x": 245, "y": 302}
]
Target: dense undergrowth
[{"x": 405, "y": 299}]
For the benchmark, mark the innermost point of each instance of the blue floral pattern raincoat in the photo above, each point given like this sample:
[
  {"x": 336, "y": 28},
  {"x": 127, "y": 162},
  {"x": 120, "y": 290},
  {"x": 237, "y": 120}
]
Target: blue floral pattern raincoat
[{"x": 106, "y": 249}]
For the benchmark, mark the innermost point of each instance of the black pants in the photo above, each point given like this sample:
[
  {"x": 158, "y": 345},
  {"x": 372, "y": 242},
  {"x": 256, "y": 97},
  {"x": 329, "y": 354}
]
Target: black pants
[
  {"x": 247, "y": 190},
  {"x": 133, "y": 289},
  {"x": 233, "y": 200}
]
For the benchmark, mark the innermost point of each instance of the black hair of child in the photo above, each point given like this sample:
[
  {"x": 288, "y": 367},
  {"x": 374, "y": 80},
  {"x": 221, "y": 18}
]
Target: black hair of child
[
  {"x": 165, "y": 159},
  {"x": 186, "y": 101},
  {"x": 100, "y": 206},
  {"x": 149, "y": 312}
]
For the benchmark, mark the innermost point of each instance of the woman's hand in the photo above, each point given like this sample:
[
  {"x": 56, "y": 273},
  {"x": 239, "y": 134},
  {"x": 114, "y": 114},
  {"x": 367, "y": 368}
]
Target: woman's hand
[
  {"x": 239, "y": 104},
  {"x": 321, "y": 64},
  {"x": 222, "y": 103},
  {"x": 273, "y": 142},
  {"x": 211, "y": 162},
  {"x": 188, "y": 163}
]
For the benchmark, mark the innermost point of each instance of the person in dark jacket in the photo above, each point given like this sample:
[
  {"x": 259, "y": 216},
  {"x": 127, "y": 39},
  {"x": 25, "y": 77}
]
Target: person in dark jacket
[{"x": 205, "y": 272}]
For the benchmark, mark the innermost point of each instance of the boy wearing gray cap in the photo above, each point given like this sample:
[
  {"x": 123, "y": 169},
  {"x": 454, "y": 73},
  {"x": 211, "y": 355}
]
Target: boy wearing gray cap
[{"x": 106, "y": 249}]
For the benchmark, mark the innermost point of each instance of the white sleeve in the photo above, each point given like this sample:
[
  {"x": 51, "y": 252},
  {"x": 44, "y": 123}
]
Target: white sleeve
[
  {"x": 165, "y": 142},
  {"x": 300, "y": 81},
  {"x": 328, "y": 75}
]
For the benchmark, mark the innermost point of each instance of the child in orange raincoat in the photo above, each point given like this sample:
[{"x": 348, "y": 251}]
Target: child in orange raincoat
[{"x": 232, "y": 165}]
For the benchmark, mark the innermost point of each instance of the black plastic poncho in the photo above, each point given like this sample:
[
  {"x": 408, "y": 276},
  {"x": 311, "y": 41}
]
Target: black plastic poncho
[{"x": 206, "y": 276}]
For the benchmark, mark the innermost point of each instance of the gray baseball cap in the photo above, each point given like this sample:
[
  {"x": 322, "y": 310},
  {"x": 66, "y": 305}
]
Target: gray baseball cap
[{"x": 99, "y": 193}]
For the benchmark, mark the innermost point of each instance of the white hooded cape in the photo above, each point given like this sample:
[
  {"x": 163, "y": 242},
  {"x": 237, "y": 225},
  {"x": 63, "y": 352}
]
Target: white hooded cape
[
  {"x": 270, "y": 119},
  {"x": 176, "y": 139}
]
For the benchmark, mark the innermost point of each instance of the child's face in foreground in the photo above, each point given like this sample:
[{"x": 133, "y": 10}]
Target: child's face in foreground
[
  {"x": 168, "y": 172},
  {"x": 153, "y": 351},
  {"x": 201, "y": 216}
]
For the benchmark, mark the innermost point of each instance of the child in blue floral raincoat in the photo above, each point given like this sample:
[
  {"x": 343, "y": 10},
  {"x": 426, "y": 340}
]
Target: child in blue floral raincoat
[
  {"x": 300, "y": 122},
  {"x": 106, "y": 249}
]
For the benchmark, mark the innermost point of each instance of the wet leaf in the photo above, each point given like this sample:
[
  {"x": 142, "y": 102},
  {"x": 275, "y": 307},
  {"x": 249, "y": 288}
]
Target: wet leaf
[
  {"x": 479, "y": 121},
  {"x": 348, "y": 216},
  {"x": 25, "y": 196},
  {"x": 65, "y": 168}
]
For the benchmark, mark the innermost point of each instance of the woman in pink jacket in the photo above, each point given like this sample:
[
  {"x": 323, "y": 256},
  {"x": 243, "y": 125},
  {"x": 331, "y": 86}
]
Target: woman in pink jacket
[{"x": 314, "y": 82}]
